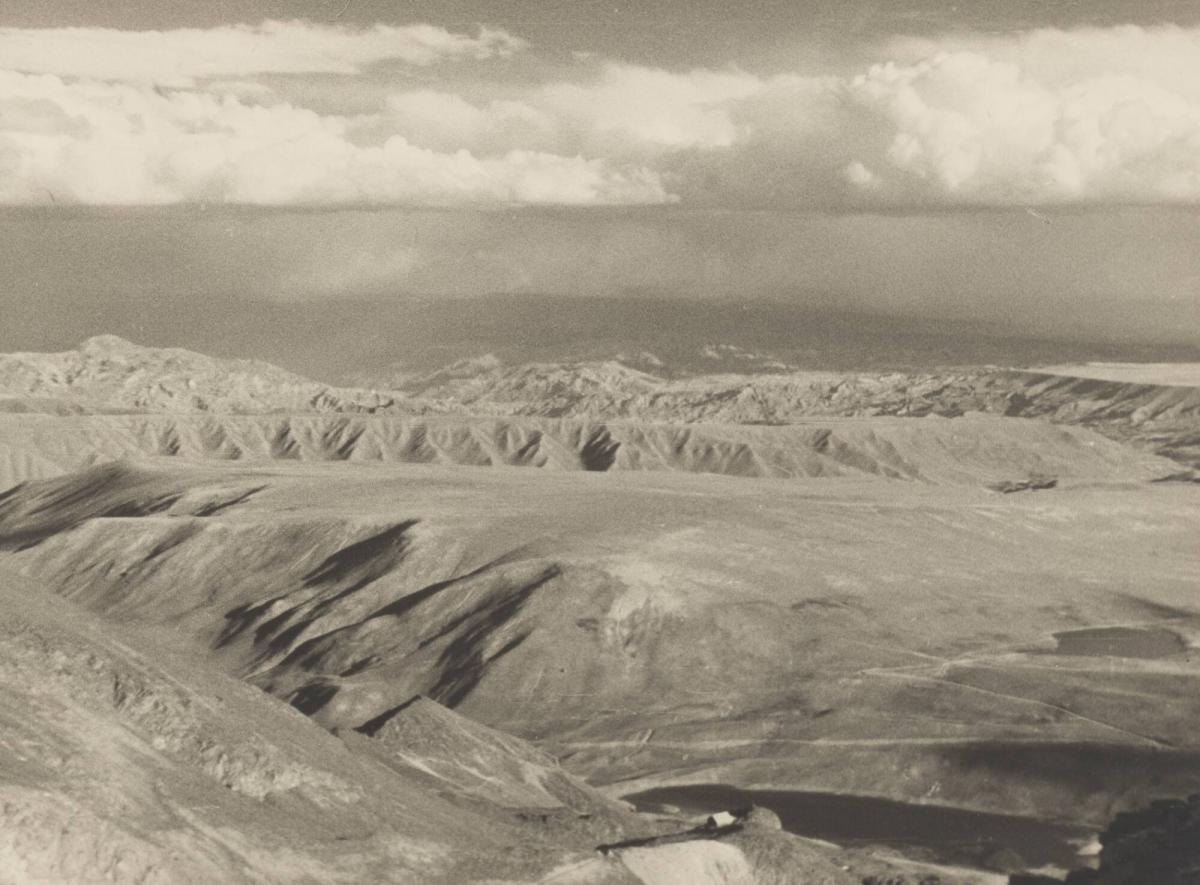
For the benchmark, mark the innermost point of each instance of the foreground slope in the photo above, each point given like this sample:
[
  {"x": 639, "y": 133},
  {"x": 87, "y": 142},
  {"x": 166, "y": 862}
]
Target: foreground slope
[{"x": 126, "y": 758}]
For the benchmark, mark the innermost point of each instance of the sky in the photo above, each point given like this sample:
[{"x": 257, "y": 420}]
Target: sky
[{"x": 1032, "y": 163}]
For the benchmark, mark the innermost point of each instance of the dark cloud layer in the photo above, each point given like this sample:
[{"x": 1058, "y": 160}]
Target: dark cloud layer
[{"x": 764, "y": 33}]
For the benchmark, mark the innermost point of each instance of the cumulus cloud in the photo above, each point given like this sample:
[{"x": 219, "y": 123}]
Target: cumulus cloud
[
  {"x": 118, "y": 144},
  {"x": 1085, "y": 116},
  {"x": 652, "y": 108},
  {"x": 180, "y": 57},
  {"x": 1058, "y": 57},
  {"x": 965, "y": 127},
  {"x": 623, "y": 111},
  {"x": 447, "y": 121},
  {"x": 1045, "y": 118}
]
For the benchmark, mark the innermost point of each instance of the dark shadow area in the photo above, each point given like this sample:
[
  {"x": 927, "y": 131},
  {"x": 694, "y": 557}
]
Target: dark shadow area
[
  {"x": 371, "y": 727},
  {"x": 362, "y": 562},
  {"x": 311, "y": 698},
  {"x": 599, "y": 451}
]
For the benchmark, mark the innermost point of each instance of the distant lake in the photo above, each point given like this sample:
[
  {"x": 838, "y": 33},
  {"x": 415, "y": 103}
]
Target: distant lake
[
  {"x": 1120, "y": 642},
  {"x": 937, "y": 833}
]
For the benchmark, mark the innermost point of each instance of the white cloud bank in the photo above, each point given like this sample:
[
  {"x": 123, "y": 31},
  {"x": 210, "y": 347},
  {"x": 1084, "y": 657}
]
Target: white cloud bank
[
  {"x": 963, "y": 126},
  {"x": 1092, "y": 116},
  {"x": 115, "y": 144}
]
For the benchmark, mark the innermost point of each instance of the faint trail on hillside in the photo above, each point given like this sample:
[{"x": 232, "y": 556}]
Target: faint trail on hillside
[{"x": 899, "y": 673}]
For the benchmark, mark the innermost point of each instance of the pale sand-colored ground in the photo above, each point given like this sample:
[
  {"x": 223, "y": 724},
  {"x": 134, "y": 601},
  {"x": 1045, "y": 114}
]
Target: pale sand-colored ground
[{"x": 1171, "y": 374}]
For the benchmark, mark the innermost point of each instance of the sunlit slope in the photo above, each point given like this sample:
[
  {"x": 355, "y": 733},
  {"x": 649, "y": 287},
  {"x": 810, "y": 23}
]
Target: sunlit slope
[
  {"x": 868, "y": 635},
  {"x": 971, "y": 450}
]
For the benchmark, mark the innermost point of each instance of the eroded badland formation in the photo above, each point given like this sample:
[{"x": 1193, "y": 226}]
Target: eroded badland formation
[{"x": 256, "y": 628}]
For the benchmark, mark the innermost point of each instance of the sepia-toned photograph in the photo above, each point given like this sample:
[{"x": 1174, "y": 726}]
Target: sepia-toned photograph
[{"x": 631, "y": 442}]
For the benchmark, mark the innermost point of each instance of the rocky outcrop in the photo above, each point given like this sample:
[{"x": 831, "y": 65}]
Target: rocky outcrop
[
  {"x": 1158, "y": 844},
  {"x": 1031, "y": 484}
]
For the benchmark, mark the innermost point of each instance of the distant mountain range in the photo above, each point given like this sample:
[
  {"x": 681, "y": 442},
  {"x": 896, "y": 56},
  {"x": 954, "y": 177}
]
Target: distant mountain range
[
  {"x": 334, "y": 341},
  {"x": 109, "y": 374}
]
